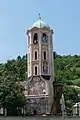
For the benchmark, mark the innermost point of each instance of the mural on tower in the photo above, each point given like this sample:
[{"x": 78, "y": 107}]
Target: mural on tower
[
  {"x": 45, "y": 67},
  {"x": 38, "y": 104},
  {"x": 36, "y": 86}
]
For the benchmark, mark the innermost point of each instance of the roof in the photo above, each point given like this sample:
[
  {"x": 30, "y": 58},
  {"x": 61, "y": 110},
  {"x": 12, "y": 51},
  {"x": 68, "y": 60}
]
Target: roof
[{"x": 40, "y": 23}]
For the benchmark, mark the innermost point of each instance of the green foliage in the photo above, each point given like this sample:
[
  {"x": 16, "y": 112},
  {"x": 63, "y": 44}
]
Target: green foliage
[
  {"x": 76, "y": 82},
  {"x": 11, "y": 94},
  {"x": 67, "y": 71}
]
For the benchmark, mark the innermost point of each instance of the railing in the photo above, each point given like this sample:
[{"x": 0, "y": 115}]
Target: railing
[{"x": 38, "y": 110}]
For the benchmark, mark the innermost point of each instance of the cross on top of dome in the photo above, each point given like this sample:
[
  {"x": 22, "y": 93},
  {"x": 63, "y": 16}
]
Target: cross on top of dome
[{"x": 39, "y": 16}]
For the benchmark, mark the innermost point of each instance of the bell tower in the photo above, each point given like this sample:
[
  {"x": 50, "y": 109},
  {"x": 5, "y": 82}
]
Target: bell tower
[{"x": 40, "y": 66}]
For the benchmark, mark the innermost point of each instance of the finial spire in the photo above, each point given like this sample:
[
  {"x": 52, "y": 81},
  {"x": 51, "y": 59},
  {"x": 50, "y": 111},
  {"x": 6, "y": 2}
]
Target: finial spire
[{"x": 39, "y": 16}]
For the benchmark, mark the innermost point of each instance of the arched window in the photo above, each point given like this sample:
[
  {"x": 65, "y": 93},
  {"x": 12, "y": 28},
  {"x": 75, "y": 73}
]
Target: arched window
[
  {"x": 35, "y": 55},
  {"x": 45, "y": 67},
  {"x": 44, "y": 55},
  {"x": 35, "y": 70},
  {"x": 35, "y": 38}
]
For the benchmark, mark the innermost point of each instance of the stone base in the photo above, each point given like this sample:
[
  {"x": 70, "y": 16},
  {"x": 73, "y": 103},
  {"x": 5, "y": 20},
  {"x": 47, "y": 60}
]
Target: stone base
[
  {"x": 38, "y": 106},
  {"x": 39, "y": 95}
]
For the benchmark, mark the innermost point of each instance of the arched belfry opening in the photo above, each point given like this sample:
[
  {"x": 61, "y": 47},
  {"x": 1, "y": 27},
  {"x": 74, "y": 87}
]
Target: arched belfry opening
[
  {"x": 44, "y": 34},
  {"x": 35, "y": 38}
]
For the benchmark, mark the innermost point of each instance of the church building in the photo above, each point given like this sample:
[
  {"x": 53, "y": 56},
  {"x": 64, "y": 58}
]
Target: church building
[{"x": 40, "y": 67}]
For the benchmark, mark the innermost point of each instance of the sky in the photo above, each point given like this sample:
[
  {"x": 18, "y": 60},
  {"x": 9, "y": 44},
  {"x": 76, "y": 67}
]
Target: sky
[{"x": 17, "y": 16}]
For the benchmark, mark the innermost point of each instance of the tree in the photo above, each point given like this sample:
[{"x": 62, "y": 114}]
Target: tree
[
  {"x": 11, "y": 94},
  {"x": 67, "y": 71}
]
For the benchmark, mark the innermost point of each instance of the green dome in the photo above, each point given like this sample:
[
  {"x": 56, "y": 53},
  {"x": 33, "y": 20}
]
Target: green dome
[{"x": 39, "y": 23}]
